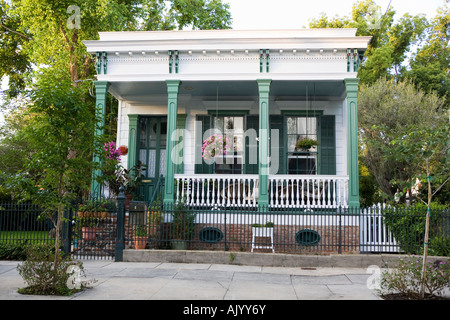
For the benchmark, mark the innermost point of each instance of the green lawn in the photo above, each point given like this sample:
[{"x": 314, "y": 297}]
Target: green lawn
[{"x": 29, "y": 236}]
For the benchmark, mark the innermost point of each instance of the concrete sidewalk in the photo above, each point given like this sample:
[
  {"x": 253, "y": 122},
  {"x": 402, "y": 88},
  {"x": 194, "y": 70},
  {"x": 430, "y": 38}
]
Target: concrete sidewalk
[
  {"x": 180, "y": 281},
  {"x": 218, "y": 276}
]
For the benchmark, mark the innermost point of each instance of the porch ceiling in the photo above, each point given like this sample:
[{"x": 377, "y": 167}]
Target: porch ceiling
[{"x": 226, "y": 90}]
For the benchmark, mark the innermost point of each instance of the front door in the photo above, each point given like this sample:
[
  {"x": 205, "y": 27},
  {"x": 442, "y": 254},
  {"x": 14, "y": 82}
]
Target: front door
[{"x": 152, "y": 153}]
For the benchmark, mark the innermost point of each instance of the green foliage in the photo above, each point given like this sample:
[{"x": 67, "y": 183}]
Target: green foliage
[
  {"x": 202, "y": 14},
  {"x": 60, "y": 131},
  {"x": 408, "y": 228},
  {"x": 406, "y": 278},
  {"x": 156, "y": 215},
  {"x": 42, "y": 276},
  {"x": 103, "y": 205},
  {"x": 13, "y": 251},
  {"x": 15, "y": 63},
  {"x": 266, "y": 225},
  {"x": 141, "y": 231},
  {"x": 389, "y": 112},
  {"x": 183, "y": 222},
  {"x": 306, "y": 143},
  {"x": 410, "y": 48}
]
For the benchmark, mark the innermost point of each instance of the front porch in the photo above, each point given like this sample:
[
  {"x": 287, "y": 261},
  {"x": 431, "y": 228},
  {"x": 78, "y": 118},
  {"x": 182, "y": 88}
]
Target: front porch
[
  {"x": 284, "y": 191},
  {"x": 266, "y": 91}
]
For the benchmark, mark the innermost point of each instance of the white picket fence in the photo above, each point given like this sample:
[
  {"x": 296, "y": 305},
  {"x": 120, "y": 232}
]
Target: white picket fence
[{"x": 375, "y": 236}]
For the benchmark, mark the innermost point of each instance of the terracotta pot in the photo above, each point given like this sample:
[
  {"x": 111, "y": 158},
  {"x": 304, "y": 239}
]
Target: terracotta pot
[{"x": 140, "y": 242}]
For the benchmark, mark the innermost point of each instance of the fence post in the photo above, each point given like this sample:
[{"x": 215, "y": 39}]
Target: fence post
[
  {"x": 120, "y": 236},
  {"x": 340, "y": 229},
  {"x": 225, "y": 227},
  {"x": 66, "y": 236}
]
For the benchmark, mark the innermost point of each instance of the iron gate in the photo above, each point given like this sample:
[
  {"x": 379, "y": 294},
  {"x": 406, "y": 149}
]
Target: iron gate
[{"x": 96, "y": 235}]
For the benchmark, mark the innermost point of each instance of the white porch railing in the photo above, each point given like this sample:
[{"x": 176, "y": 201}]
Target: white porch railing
[
  {"x": 285, "y": 191},
  {"x": 217, "y": 189},
  {"x": 308, "y": 191}
]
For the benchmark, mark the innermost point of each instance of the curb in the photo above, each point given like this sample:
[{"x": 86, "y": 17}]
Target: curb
[{"x": 265, "y": 259}]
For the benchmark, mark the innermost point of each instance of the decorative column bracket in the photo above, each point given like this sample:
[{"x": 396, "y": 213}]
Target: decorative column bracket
[
  {"x": 173, "y": 60},
  {"x": 352, "y": 54},
  {"x": 264, "y": 59},
  {"x": 101, "y": 59}
]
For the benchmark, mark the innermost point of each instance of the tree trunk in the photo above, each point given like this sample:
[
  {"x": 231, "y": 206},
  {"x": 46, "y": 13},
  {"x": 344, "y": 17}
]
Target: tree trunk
[{"x": 427, "y": 228}]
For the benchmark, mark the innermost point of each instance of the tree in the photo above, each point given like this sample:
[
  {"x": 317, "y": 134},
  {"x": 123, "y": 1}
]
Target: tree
[
  {"x": 427, "y": 151},
  {"x": 15, "y": 63},
  {"x": 49, "y": 66},
  {"x": 59, "y": 123},
  {"x": 430, "y": 65},
  {"x": 391, "y": 41},
  {"x": 50, "y": 33},
  {"x": 48, "y": 36},
  {"x": 388, "y": 110}
]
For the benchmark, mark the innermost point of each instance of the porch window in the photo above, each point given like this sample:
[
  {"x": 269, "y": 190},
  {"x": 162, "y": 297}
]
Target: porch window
[
  {"x": 301, "y": 161},
  {"x": 152, "y": 145},
  {"x": 233, "y": 128}
]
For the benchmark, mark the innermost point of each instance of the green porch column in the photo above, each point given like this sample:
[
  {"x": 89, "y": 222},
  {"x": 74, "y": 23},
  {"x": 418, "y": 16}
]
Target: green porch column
[
  {"x": 172, "y": 110},
  {"x": 263, "y": 165},
  {"x": 101, "y": 91},
  {"x": 132, "y": 140},
  {"x": 351, "y": 86}
]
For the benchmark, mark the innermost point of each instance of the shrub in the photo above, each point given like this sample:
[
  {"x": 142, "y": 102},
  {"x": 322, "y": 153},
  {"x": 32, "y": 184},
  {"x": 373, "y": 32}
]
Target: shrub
[
  {"x": 406, "y": 278},
  {"x": 408, "y": 228},
  {"x": 41, "y": 276},
  {"x": 13, "y": 251}
]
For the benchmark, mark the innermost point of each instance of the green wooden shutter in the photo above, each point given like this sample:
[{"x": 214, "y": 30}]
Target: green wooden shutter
[
  {"x": 327, "y": 148},
  {"x": 277, "y": 123},
  {"x": 251, "y": 168},
  {"x": 202, "y": 167}
]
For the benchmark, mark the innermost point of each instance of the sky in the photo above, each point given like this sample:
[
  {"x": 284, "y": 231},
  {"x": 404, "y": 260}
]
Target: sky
[{"x": 294, "y": 14}]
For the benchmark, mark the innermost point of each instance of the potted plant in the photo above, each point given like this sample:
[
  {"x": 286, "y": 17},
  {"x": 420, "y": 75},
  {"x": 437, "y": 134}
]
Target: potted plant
[
  {"x": 130, "y": 179},
  {"x": 306, "y": 144},
  {"x": 155, "y": 216},
  {"x": 183, "y": 226},
  {"x": 88, "y": 227},
  {"x": 140, "y": 237},
  {"x": 95, "y": 209}
]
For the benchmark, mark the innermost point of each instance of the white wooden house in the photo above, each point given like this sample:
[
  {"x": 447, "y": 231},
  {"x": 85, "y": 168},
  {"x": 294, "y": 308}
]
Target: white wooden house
[{"x": 263, "y": 90}]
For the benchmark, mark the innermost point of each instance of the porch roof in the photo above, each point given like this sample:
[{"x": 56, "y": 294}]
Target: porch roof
[
  {"x": 280, "y": 90},
  {"x": 326, "y": 38}
]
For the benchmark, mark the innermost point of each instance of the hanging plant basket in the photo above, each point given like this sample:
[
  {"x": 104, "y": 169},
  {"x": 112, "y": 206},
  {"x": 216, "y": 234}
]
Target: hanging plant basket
[
  {"x": 215, "y": 145},
  {"x": 306, "y": 144}
]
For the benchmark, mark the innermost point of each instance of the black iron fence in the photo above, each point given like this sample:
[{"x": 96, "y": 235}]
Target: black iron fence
[
  {"x": 22, "y": 222},
  {"x": 285, "y": 230},
  {"x": 105, "y": 234}
]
